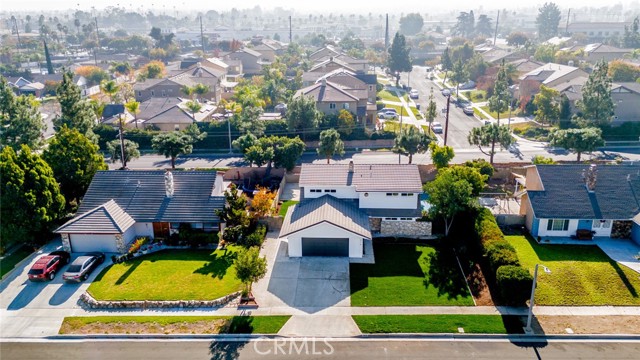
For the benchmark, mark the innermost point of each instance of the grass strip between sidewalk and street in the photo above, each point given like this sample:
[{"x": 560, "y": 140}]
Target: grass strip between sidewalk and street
[
  {"x": 415, "y": 324},
  {"x": 173, "y": 324}
]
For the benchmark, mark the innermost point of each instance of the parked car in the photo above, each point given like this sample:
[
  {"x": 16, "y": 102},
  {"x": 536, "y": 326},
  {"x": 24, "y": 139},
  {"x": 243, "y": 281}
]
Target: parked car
[
  {"x": 461, "y": 103},
  {"x": 414, "y": 94},
  {"x": 390, "y": 115},
  {"x": 436, "y": 127},
  {"x": 446, "y": 92},
  {"x": 468, "y": 110},
  {"x": 468, "y": 85},
  {"x": 389, "y": 109},
  {"x": 46, "y": 267},
  {"x": 82, "y": 266}
]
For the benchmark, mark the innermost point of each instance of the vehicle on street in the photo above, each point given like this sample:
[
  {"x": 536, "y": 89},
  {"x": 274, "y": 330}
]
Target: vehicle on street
[
  {"x": 468, "y": 85},
  {"x": 82, "y": 266},
  {"x": 414, "y": 94},
  {"x": 462, "y": 103},
  {"x": 446, "y": 92},
  {"x": 436, "y": 127},
  {"x": 388, "y": 109},
  {"x": 389, "y": 115},
  {"x": 468, "y": 110},
  {"x": 46, "y": 267}
]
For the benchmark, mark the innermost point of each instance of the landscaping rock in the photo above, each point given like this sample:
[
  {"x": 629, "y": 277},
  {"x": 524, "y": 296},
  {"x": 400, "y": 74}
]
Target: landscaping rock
[{"x": 88, "y": 301}]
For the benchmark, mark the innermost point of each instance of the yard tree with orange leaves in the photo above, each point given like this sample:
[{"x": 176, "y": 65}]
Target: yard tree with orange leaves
[
  {"x": 262, "y": 201},
  {"x": 152, "y": 70}
]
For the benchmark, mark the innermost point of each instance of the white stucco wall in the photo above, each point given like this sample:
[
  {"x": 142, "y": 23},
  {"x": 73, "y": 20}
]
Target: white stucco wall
[
  {"x": 324, "y": 230},
  {"x": 600, "y": 231},
  {"x": 380, "y": 200},
  {"x": 542, "y": 229},
  {"x": 143, "y": 229},
  {"x": 342, "y": 192}
]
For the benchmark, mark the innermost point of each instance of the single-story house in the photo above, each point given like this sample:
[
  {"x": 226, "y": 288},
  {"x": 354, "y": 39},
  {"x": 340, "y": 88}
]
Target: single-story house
[
  {"x": 564, "y": 200},
  {"x": 122, "y": 205}
]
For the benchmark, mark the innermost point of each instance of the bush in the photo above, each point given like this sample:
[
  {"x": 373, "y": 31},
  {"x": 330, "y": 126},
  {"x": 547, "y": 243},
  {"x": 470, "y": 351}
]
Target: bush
[
  {"x": 483, "y": 166},
  {"x": 254, "y": 238},
  {"x": 515, "y": 284},
  {"x": 501, "y": 253},
  {"x": 487, "y": 229}
]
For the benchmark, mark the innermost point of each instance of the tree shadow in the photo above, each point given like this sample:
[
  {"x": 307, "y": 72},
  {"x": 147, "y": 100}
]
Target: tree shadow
[
  {"x": 226, "y": 350},
  {"x": 625, "y": 279},
  {"x": 555, "y": 252},
  {"x": 445, "y": 275},
  {"x": 240, "y": 325},
  {"x": 63, "y": 293},
  {"x": 122, "y": 277},
  {"x": 218, "y": 265}
]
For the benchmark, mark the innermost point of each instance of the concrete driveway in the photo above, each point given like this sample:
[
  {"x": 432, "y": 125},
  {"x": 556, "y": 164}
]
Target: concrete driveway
[
  {"x": 309, "y": 284},
  {"x": 25, "y": 306},
  {"x": 624, "y": 251}
]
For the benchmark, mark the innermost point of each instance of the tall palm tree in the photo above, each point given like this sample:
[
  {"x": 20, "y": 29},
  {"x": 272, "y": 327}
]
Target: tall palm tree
[
  {"x": 134, "y": 108},
  {"x": 110, "y": 88},
  {"x": 201, "y": 89},
  {"x": 194, "y": 107}
]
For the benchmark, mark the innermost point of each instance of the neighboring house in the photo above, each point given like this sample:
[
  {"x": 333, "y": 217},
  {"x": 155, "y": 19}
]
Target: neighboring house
[
  {"x": 523, "y": 66},
  {"x": 593, "y": 53},
  {"x": 494, "y": 55},
  {"x": 113, "y": 113},
  {"x": 178, "y": 117},
  {"x": 330, "y": 65},
  {"x": 199, "y": 74},
  {"x": 268, "y": 51},
  {"x": 122, "y": 205},
  {"x": 161, "y": 88},
  {"x": 598, "y": 30},
  {"x": 561, "y": 199},
  {"x": 252, "y": 61},
  {"x": 324, "y": 52},
  {"x": 342, "y": 206},
  {"x": 549, "y": 75}
]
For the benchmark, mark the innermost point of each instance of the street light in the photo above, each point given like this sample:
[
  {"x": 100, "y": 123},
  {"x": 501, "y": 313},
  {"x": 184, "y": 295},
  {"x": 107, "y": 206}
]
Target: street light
[{"x": 528, "y": 330}]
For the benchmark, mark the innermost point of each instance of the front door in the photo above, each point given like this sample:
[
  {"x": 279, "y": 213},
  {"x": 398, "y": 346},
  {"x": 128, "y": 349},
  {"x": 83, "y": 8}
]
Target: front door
[
  {"x": 602, "y": 227},
  {"x": 161, "y": 229}
]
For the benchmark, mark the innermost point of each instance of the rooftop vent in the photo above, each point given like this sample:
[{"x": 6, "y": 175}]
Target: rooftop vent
[
  {"x": 590, "y": 177},
  {"x": 168, "y": 183},
  {"x": 351, "y": 166}
]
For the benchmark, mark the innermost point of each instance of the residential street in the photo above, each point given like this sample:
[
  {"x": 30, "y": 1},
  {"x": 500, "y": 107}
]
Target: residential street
[{"x": 319, "y": 348}]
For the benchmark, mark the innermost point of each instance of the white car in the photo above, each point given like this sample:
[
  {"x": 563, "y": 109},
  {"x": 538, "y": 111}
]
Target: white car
[
  {"x": 436, "y": 127},
  {"x": 446, "y": 92},
  {"x": 387, "y": 115},
  {"x": 414, "y": 94}
]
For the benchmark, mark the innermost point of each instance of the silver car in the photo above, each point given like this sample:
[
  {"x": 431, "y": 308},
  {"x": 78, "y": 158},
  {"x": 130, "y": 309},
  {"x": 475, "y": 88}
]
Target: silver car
[{"x": 82, "y": 266}]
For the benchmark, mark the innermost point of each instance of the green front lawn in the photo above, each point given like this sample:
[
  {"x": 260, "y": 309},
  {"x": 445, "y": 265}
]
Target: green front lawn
[
  {"x": 503, "y": 115},
  {"x": 479, "y": 114},
  {"x": 153, "y": 324},
  {"x": 477, "y": 324},
  {"x": 285, "y": 206},
  {"x": 170, "y": 275},
  {"x": 394, "y": 126},
  {"x": 475, "y": 95},
  {"x": 9, "y": 262},
  {"x": 409, "y": 275},
  {"x": 388, "y": 96},
  {"x": 580, "y": 275}
]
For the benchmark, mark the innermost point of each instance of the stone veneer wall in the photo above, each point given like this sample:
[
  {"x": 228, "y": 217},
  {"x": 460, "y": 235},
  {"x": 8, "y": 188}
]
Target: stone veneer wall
[
  {"x": 405, "y": 228},
  {"x": 374, "y": 223},
  {"x": 92, "y": 303},
  {"x": 66, "y": 243}
]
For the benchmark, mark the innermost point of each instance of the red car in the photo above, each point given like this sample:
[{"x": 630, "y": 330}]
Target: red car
[{"x": 46, "y": 267}]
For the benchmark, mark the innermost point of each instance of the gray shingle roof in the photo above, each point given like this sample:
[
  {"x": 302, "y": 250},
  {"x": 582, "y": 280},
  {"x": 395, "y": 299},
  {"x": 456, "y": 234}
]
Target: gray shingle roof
[
  {"x": 374, "y": 177},
  {"x": 325, "y": 209},
  {"x": 142, "y": 195},
  {"x": 108, "y": 218},
  {"x": 566, "y": 197}
]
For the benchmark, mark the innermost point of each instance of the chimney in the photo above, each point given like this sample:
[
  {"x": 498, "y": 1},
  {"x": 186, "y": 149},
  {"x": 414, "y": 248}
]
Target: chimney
[
  {"x": 590, "y": 176},
  {"x": 351, "y": 166},
  {"x": 324, "y": 82},
  {"x": 168, "y": 183}
]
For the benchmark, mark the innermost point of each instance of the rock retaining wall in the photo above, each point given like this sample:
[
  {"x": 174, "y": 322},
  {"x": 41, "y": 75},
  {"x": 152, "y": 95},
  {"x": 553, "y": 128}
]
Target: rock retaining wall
[
  {"x": 405, "y": 228},
  {"x": 88, "y": 301}
]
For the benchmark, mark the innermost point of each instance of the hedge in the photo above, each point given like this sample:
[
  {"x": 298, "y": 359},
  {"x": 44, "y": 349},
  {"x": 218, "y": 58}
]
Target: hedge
[{"x": 513, "y": 281}]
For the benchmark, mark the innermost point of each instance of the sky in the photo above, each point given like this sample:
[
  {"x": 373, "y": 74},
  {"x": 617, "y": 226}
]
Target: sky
[{"x": 325, "y": 6}]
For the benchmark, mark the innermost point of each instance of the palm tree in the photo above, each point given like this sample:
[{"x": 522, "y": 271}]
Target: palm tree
[
  {"x": 187, "y": 90},
  {"x": 194, "y": 107},
  {"x": 134, "y": 108},
  {"x": 110, "y": 88},
  {"x": 201, "y": 89}
]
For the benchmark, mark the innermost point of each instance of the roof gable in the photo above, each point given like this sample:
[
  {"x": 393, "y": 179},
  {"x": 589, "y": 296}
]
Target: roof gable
[
  {"x": 108, "y": 218},
  {"x": 372, "y": 177}
]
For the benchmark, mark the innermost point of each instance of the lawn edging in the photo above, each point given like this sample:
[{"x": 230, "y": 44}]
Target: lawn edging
[{"x": 89, "y": 301}]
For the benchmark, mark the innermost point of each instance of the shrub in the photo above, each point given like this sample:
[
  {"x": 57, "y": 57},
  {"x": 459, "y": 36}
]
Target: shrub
[
  {"x": 137, "y": 244},
  {"x": 486, "y": 228},
  {"x": 483, "y": 166},
  {"x": 515, "y": 283},
  {"x": 254, "y": 238},
  {"x": 501, "y": 253}
]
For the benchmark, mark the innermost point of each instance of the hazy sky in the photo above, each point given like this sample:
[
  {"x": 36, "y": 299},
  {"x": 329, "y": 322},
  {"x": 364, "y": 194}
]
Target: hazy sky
[{"x": 324, "y": 6}]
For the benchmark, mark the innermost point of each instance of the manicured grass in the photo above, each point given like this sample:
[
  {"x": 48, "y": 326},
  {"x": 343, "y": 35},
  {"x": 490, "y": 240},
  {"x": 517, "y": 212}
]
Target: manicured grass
[
  {"x": 170, "y": 275},
  {"x": 285, "y": 206},
  {"x": 394, "y": 126},
  {"x": 388, "y": 96},
  {"x": 477, "y": 324},
  {"x": 504, "y": 115},
  {"x": 479, "y": 114},
  {"x": 416, "y": 112},
  {"x": 531, "y": 130},
  {"x": 9, "y": 262},
  {"x": 220, "y": 324},
  {"x": 475, "y": 95},
  {"x": 409, "y": 275},
  {"x": 580, "y": 275},
  {"x": 427, "y": 130}
]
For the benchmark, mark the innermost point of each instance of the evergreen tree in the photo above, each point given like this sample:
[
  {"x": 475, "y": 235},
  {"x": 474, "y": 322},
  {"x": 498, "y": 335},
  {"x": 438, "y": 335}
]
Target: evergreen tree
[
  {"x": 74, "y": 160},
  {"x": 399, "y": 59},
  {"x": 484, "y": 26},
  {"x": 48, "y": 58},
  {"x": 499, "y": 101},
  {"x": 565, "y": 111},
  {"x": 596, "y": 104},
  {"x": 445, "y": 60},
  {"x": 432, "y": 109},
  {"x": 302, "y": 115},
  {"x": 30, "y": 199},
  {"x": 234, "y": 215},
  {"x": 578, "y": 140},
  {"x": 459, "y": 74},
  {"x": 76, "y": 113},
  {"x": 172, "y": 144},
  {"x": 548, "y": 20},
  {"x": 489, "y": 135},
  {"x": 410, "y": 141},
  {"x": 330, "y": 144},
  {"x": 546, "y": 107},
  {"x": 130, "y": 151},
  {"x": 20, "y": 119}
]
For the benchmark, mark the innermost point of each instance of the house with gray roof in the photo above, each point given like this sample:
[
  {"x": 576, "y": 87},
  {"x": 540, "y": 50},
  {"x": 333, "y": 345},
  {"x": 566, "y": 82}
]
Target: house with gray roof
[
  {"x": 559, "y": 201},
  {"x": 344, "y": 205},
  {"x": 120, "y": 206}
]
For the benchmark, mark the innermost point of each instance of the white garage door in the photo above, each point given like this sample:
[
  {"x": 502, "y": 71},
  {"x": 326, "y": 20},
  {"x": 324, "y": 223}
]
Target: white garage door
[{"x": 88, "y": 243}]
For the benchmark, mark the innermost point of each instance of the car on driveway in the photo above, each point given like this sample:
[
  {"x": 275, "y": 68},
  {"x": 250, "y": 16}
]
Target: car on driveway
[
  {"x": 390, "y": 115},
  {"x": 468, "y": 110},
  {"x": 46, "y": 267},
  {"x": 436, "y": 127},
  {"x": 82, "y": 266},
  {"x": 414, "y": 94}
]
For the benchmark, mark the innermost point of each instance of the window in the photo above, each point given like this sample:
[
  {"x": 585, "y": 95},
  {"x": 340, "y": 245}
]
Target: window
[
  {"x": 370, "y": 87},
  {"x": 164, "y": 93},
  {"x": 139, "y": 93},
  {"x": 392, "y": 194},
  {"x": 391, "y": 218},
  {"x": 209, "y": 226},
  {"x": 406, "y": 219},
  {"x": 345, "y": 106},
  {"x": 601, "y": 224},
  {"x": 332, "y": 105},
  {"x": 196, "y": 225},
  {"x": 558, "y": 225},
  {"x": 175, "y": 226},
  {"x": 329, "y": 190},
  {"x": 153, "y": 93},
  {"x": 407, "y": 194},
  {"x": 315, "y": 190}
]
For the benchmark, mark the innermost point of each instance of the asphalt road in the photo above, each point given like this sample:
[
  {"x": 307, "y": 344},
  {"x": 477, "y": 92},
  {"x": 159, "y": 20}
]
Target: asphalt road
[
  {"x": 459, "y": 124},
  {"x": 318, "y": 349}
]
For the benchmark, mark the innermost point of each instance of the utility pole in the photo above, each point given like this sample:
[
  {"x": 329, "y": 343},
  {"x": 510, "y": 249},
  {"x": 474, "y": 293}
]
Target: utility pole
[
  {"x": 386, "y": 35},
  {"x": 290, "y": 31},
  {"x": 229, "y": 129},
  {"x": 202, "y": 36},
  {"x": 121, "y": 135},
  {"x": 446, "y": 123},
  {"x": 95, "y": 51},
  {"x": 15, "y": 23},
  {"x": 399, "y": 154},
  {"x": 495, "y": 35},
  {"x": 566, "y": 28}
]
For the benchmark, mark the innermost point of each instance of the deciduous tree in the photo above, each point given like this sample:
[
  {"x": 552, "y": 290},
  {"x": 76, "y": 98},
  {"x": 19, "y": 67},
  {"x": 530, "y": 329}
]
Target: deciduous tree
[
  {"x": 441, "y": 155},
  {"x": 449, "y": 195},
  {"x": 547, "y": 110},
  {"x": 411, "y": 24},
  {"x": 262, "y": 201},
  {"x": 302, "y": 115},
  {"x": 20, "y": 119},
  {"x": 490, "y": 135},
  {"x": 577, "y": 140},
  {"x": 130, "y": 151},
  {"x": 250, "y": 267},
  {"x": 330, "y": 144},
  {"x": 410, "y": 141},
  {"x": 172, "y": 144}
]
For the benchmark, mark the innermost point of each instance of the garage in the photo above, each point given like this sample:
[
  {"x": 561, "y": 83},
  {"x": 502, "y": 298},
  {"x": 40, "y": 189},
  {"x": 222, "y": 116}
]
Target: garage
[
  {"x": 325, "y": 246},
  {"x": 93, "y": 242}
]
